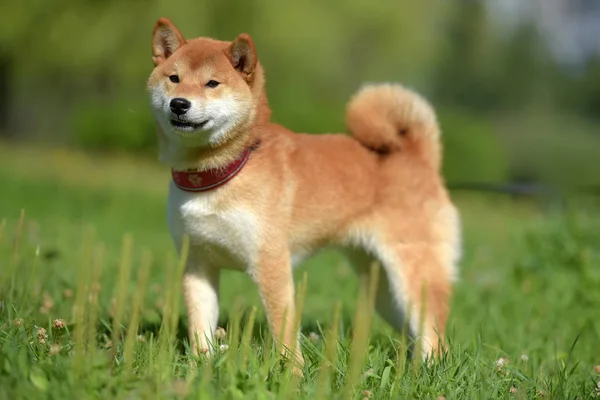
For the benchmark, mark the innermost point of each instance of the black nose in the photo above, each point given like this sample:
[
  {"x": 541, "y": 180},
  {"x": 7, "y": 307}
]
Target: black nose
[{"x": 180, "y": 105}]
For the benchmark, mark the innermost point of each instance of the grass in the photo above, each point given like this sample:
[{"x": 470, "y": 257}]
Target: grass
[{"x": 90, "y": 304}]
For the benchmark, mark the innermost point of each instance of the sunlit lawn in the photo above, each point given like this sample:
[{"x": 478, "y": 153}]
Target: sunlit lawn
[{"x": 525, "y": 317}]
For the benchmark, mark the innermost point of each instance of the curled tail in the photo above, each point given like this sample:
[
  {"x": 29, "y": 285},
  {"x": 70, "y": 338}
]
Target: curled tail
[{"x": 388, "y": 118}]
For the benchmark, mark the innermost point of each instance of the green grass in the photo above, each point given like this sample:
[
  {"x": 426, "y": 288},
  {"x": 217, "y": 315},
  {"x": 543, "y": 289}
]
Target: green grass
[{"x": 525, "y": 313}]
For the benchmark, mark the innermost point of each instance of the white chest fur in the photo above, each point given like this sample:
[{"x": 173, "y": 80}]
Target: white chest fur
[{"x": 223, "y": 237}]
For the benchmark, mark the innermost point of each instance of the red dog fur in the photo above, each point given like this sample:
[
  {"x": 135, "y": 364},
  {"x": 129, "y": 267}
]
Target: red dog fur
[{"x": 378, "y": 194}]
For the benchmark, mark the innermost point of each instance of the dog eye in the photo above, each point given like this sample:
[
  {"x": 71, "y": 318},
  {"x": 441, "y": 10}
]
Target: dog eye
[
  {"x": 174, "y": 78},
  {"x": 212, "y": 84}
]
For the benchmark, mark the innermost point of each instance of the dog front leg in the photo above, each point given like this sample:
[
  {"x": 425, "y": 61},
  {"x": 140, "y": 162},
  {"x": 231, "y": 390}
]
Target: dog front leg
[
  {"x": 273, "y": 276},
  {"x": 201, "y": 294}
]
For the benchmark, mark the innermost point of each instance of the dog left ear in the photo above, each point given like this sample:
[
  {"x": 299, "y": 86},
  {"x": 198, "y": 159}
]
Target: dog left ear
[
  {"x": 166, "y": 39},
  {"x": 242, "y": 55}
]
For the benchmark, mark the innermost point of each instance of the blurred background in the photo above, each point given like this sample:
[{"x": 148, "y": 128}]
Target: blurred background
[{"x": 516, "y": 83}]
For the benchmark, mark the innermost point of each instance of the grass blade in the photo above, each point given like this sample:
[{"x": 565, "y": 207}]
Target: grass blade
[{"x": 134, "y": 318}]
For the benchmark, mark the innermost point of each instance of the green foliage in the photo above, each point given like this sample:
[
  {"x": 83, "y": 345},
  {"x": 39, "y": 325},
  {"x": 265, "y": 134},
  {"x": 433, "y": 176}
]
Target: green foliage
[
  {"x": 80, "y": 69},
  {"x": 584, "y": 95},
  {"x": 554, "y": 150},
  {"x": 315, "y": 54},
  {"x": 469, "y": 60},
  {"x": 473, "y": 149},
  {"x": 113, "y": 126}
]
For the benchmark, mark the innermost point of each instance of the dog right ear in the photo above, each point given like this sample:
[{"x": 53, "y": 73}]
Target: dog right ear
[
  {"x": 242, "y": 55},
  {"x": 166, "y": 39}
]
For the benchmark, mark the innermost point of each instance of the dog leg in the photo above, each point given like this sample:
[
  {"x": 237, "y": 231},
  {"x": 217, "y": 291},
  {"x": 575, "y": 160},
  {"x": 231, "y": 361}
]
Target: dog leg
[
  {"x": 387, "y": 307},
  {"x": 417, "y": 285},
  {"x": 201, "y": 294},
  {"x": 273, "y": 276}
]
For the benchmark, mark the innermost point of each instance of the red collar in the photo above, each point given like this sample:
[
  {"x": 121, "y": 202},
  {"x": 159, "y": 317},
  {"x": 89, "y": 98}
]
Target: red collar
[{"x": 200, "y": 181}]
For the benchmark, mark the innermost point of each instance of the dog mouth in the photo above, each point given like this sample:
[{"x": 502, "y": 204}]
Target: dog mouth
[{"x": 187, "y": 126}]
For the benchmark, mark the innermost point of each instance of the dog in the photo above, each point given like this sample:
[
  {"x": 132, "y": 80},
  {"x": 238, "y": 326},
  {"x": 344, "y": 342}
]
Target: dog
[{"x": 253, "y": 196}]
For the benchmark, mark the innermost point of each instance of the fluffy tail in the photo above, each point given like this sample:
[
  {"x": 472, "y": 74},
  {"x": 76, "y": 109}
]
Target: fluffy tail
[{"x": 388, "y": 118}]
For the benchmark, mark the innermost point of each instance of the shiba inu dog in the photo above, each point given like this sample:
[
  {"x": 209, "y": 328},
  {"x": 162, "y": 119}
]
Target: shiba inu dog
[{"x": 253, "y": 196}]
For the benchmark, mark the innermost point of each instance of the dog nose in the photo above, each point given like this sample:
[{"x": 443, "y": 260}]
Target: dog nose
[{"x": 180, "y": 105}]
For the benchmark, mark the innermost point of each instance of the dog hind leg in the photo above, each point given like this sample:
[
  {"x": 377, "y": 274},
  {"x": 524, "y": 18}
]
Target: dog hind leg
[
  {"x": 419, "y": 287},
  {"x": 413, "y": 292}
]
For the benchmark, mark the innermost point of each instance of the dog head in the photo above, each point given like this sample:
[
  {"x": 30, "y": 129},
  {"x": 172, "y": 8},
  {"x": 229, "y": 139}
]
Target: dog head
[{"x": 203, "y": 92}]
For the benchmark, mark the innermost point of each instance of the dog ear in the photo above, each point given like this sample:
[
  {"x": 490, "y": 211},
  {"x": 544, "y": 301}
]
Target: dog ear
[
  {"x": 242, "y": 55},
  {"x": 166, "y": 39}
]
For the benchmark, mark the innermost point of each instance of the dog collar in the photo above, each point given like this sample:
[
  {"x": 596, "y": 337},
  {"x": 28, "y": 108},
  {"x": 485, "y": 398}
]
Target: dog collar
[{"x": 200, "y": 181}]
